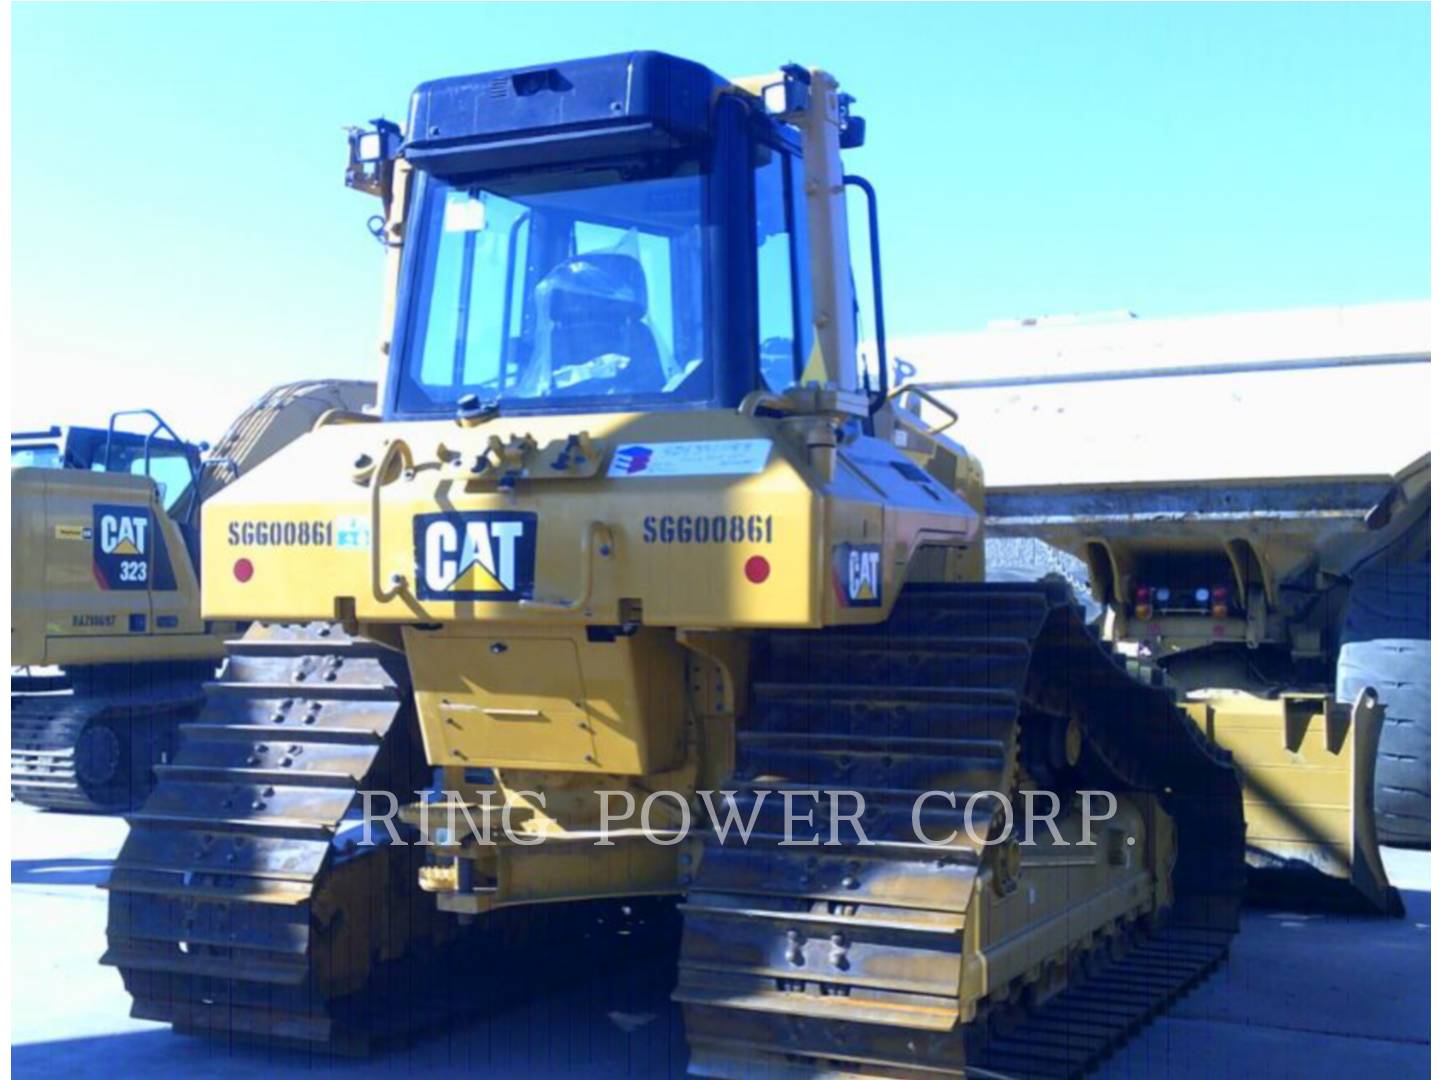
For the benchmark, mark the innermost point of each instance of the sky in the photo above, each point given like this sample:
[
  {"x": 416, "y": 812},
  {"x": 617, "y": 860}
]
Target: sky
[{"x": 182, "y": 238}]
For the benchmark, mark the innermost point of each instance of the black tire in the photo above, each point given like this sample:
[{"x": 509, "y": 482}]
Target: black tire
[
  {"x": 1021, "y": 559},
  {"x": 1385, "y": 644}
]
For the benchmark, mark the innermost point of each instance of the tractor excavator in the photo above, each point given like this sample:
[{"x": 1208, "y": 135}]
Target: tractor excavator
[
  {"x": 637, "y": 532},
  {"x": 108, "y": 647}
]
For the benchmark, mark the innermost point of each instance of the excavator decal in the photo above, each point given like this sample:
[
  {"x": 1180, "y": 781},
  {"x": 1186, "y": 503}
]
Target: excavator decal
[{"x": 122, "y": 538}]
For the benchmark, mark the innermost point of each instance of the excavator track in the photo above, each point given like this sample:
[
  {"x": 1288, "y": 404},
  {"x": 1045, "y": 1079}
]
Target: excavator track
[
  {"x": 848, "y": 960},
  {"x": 246, "y": 903},
  {"x": 92, "y": 750}
]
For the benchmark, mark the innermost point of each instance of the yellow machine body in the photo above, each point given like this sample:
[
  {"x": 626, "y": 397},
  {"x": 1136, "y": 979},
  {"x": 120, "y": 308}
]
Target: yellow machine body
[
  {"x": 108, "y": 647},
  {"x": 100, "y": 569},
  {"x": 675, "y": 546},
  {"x": 1307, "y": 763},
  {"x": 62, "y": 610},
  {"x": 618, "y": 664},
  {"x": 596, "y": 614}
]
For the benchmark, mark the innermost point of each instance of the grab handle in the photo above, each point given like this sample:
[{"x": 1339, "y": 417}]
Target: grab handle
[
  {"x": 921, "y": 392},
  {"x": 398, "y": 450}
]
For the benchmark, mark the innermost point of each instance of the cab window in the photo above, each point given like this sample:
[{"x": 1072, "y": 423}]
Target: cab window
[
  {"x": 166, "y": 463},
  {"x": 577, "y": 284},
  {"x": 781, "y": 279},
  {"x": 35, "y": 457}
]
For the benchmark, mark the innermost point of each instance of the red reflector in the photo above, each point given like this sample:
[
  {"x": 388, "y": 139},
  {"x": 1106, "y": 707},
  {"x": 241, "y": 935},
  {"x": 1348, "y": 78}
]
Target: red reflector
[
  {"x": 757, "y": 569},
  {"x": 1219, "y": 605},
  {"x": 244, "y": 570}
]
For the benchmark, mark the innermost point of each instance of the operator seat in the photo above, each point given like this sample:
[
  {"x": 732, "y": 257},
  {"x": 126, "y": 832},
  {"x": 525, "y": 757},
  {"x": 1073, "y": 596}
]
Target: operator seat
[{"x": 591, "y": 306}]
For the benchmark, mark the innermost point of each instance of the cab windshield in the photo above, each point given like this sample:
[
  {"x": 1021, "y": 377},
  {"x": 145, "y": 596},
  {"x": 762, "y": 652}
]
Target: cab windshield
[
  {"x": 171, "y": 465},
  {"x": 581, "y": 284}
]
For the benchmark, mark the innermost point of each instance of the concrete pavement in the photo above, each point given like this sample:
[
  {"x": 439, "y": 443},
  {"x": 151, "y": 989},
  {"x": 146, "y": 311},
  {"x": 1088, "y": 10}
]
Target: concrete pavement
[{"x": 1302, "y": 995}]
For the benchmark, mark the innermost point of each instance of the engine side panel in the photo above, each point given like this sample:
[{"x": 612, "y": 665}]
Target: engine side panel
[{"x": 100, "y": 574}]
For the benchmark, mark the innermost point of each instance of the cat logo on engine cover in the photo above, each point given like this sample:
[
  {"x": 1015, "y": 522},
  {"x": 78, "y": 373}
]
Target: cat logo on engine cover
[
  {"x": 857, "y": 575},
  {"x": 475, "y": 555}
]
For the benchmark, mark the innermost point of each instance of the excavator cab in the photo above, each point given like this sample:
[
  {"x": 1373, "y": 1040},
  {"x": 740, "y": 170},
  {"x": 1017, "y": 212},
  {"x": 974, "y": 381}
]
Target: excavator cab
[
  {"x": 154, "y": 452},
  {"x": 159, "y": 453}
]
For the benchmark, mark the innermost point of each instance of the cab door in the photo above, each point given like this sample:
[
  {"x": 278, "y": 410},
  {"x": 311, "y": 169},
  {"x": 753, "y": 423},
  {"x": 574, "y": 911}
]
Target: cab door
[{"x": 174, "y": 582}]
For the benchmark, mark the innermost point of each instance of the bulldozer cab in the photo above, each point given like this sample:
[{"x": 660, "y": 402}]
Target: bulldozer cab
[
  {"x": 650, "y": 253},
  {"x": 589, "y": 261}
]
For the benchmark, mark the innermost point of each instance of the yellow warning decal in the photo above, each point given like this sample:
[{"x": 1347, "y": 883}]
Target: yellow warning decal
[{"x": 72, "y": 532}]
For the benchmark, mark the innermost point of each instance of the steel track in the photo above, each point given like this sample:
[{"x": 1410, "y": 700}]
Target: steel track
[
  {"x": 46, "y": 729},
  {"x": 824, "y": 961},
  {"x": 244, "y": 903}
]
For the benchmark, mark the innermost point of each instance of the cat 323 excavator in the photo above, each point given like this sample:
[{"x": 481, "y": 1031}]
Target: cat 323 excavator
[
  {"x": 108, "y": 648},
  {"x": 638, "y": 520}
]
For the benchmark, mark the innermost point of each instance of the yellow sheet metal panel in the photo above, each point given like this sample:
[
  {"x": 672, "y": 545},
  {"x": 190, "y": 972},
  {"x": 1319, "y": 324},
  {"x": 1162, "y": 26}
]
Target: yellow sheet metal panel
[
  {"x": 511, "y": 696},
  {"x": 492, "y": 701},
  {"x": 27, "y": 567},
  {"x": 308, "y": 533},
  {"x": 87, "y": 587},
  {"x": 690, "y": 519}
]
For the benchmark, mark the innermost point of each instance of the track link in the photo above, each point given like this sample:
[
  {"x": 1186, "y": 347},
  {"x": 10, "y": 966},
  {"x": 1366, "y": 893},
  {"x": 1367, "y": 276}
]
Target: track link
[
  {"x": 92, "y": 749},
  {"x": 246, "y": 904},
  {"x": 826, "y": 960},
  {"x": 239, "y": 902}
]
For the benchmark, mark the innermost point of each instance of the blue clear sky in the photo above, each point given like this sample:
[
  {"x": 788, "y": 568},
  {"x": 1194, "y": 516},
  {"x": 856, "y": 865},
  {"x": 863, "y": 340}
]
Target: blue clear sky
[{"x": 181, "y": 235}]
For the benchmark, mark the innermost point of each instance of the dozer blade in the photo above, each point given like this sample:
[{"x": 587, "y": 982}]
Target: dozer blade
[{"x": 1307, "y": 765}]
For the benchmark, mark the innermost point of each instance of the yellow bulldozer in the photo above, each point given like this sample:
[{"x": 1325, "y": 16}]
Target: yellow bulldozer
[
  {"x": 639, "y": 537},
  {"x": 108, "y": 647}
]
